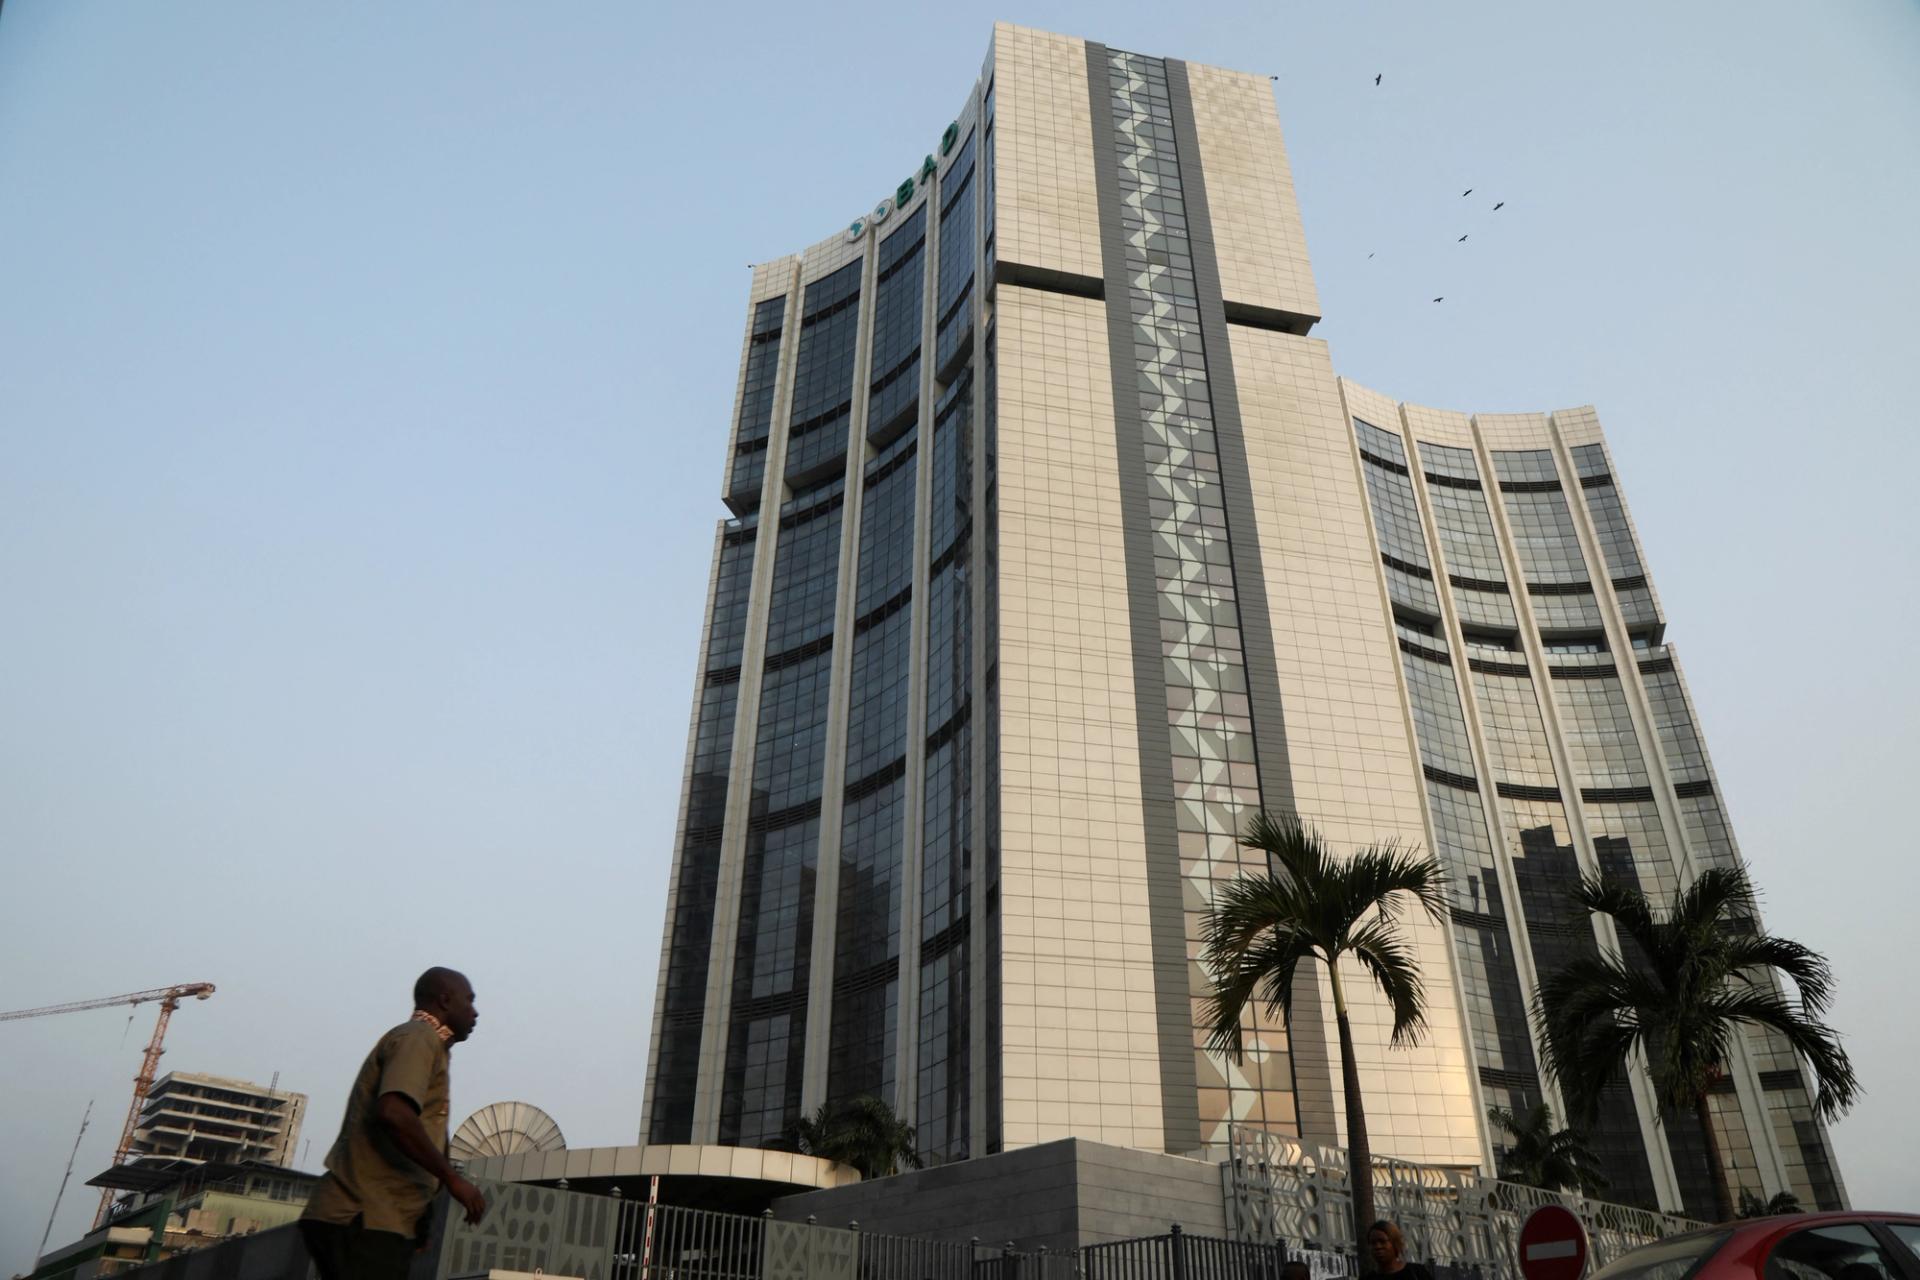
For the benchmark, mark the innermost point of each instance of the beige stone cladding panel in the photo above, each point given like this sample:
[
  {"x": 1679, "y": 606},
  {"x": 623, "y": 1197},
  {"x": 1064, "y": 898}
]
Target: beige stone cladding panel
[
  {"x": 1502, "y": 431},
  {"x": 1258, "y": 239},
  {"x": 1349, "y": 749},
  {"x": 1045, "y": 211},
  {"x": 1081, "y": 1056},
  {"x": 1436, "y": 426}
]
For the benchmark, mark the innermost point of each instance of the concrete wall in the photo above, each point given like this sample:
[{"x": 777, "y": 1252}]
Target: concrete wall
[{"x": 1059, "y": 1195}]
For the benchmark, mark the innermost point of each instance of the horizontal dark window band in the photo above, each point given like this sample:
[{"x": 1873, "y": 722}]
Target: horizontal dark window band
[
  {"x": 1023, "y": 276},
  {"x": 1691, "y": 790},
  {"x": 745, "y": 533},
  {"x": 1499, "y": 1078},
  {"x": 819, "y": 420},
  {"x": 684, "y": 1017},
  {"x": 1406, "y": 566},
  {"x": 948, "y": 939},
  {"x": 822, "y": 507},
  {"x": 959, "y": 301},
  {"x": 884, "y": 610},
  {"x": 1604, "y": 671},
  {"x": 1634, "y": 583},
  {"x": 1386, "y": 464},
  {"x": 1421, "y": 651},
  {"x": 1615, "y": 795},
  {"x": 1458, "y": 781},
  {"x": 758, "y": 1007},
  {"x": 941, "y": 736},
  {"x": 952, "y": 198},
  {"x": 709, "y": 834},
  {"x": 787, "y": 817},
  {"x": 951, "y": 550},
  {"x": 1488, "y": 667},
  {"x": 908, "y": 257},
  {"x": 1252, "y": 317},
  {"x": 1452, "y": 482},
  {"x": 1523, "y": 791},
  {"x": 875, "y": 975},
  {"x": 1475, "y": 919},
  {"x": 878, "y": 780},
  {"x": 1529, "y": 486},
  {"x": 1559, "y": 588},
  {"x": 1479, "y": 584},
  {"x": 906, "y": 365},
  {"x": 1775, "y": 1081},
  {"x": 800, "y": 653},
  {"x": 750, "y": 445},
  {"x": 1722, "y": 1085},
  {"x": 892, "y": 464},
  {"x": 832, "y": 309},
  {"x": 724, "y": 675},
  {"x": 1654, "y": 666},
  {"x": 1595, "y": 482}
]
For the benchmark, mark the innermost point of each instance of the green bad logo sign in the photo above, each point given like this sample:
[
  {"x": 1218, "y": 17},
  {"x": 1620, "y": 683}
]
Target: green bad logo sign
[{"x": 904, "y": 193}]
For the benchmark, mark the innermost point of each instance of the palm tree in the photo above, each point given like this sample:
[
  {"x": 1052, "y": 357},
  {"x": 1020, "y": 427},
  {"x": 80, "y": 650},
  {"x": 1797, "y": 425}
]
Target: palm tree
[
  {"x": 1312, "y": 905},
  {"x": 1545, "y": 1157},
  {"x": 863, "y": 1133},
  {"x": 1752, "y": 1206},
  {"x": 1695, "y": 975}
]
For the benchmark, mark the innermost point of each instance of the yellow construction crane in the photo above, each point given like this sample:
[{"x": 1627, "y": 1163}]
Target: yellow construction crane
[{"x": 169, "y": 998}]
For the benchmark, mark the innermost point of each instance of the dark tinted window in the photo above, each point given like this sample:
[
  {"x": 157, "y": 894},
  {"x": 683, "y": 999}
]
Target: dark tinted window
[
  {"x": 1908, "y": 1234},
  {"x": 1843, "y": 1251}
]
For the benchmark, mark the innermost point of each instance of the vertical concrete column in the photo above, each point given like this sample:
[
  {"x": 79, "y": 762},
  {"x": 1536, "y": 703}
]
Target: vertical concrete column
[
  {"x": 906, "y": 1040},
  {"x": 746, "y": 725},
  {"x": 833, "y": 780},
  {"x": 680, "y": 829}
]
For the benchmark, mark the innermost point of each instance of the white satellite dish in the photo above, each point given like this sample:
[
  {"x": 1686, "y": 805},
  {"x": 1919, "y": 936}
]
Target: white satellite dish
[{"x": 505, "y": 1129}]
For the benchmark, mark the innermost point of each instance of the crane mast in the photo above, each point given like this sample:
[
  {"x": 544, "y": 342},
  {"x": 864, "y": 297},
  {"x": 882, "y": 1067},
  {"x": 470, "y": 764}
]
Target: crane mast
[{"x": 169, "y": 998}]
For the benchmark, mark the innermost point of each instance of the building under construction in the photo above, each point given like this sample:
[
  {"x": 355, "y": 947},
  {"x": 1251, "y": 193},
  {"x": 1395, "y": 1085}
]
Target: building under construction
[{"x": 215, "y": 1118}]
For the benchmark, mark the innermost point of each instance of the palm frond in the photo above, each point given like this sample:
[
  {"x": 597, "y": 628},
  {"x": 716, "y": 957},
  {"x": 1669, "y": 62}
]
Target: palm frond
[
  {"x": 1808, "y": 968},
  {"x": 1836, "y": 1087},
  {"x": 1376, "y": 944},
  {"x": 1260, "y": 969}
]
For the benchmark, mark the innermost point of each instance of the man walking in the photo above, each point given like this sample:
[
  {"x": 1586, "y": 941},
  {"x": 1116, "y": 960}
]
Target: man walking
[{"x": 369, "y": 1213}]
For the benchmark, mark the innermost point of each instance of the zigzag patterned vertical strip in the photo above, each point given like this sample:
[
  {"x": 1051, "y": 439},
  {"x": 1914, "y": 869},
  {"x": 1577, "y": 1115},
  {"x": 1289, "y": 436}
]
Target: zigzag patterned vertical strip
[{"x": 1210, "y": 723}]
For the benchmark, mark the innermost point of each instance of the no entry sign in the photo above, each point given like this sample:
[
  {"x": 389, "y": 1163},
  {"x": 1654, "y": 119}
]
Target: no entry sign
[{"x": 1553, "y": 1245}]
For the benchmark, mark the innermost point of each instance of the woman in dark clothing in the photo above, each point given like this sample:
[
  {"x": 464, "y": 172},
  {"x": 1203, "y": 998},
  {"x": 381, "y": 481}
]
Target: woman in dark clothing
[{"x": 1387, "y": 1250}]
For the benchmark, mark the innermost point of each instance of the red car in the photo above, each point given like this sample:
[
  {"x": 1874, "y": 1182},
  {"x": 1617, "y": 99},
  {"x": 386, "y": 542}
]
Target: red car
[{"x": 1800, "y": 1246}]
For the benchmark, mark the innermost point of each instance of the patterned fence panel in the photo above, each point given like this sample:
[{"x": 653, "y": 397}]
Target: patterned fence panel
[{"x": 1280, "y": 1188}]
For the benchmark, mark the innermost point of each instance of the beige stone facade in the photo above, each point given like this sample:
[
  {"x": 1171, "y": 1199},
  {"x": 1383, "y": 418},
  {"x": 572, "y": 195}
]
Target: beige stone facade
[{"x": 1057, "y": 549}]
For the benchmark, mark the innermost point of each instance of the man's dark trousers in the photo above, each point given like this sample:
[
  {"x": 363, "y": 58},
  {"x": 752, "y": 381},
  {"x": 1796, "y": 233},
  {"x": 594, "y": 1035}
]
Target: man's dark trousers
[{"x": 355, "y": 1253}]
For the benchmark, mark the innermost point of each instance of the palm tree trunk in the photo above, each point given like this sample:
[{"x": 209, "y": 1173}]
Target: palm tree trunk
[
  {"x": 1359, "y": 1154},
  {"x": 1722, "y": 1194}
]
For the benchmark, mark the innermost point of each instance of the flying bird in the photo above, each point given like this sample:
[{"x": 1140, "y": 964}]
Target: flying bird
[
  {"x": 1376, "y": 79},
  {"x": 1369, "y": 255},
  {"x": 1273, "y": 77},
  {"x": 1466, "y": 193},
  {"x": 1441, "y": 298},
  {"x": 1461, "y": 240},
  {"x": 1500, "y": 206}
]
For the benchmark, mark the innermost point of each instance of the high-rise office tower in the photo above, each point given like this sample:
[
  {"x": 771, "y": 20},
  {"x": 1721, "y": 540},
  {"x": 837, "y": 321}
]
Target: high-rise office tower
[{"x": 1058, "y": 547}]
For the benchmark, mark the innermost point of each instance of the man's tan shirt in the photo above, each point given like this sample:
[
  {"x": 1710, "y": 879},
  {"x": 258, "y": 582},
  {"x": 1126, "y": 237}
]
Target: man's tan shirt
[{"x": 367, "y": 1176}]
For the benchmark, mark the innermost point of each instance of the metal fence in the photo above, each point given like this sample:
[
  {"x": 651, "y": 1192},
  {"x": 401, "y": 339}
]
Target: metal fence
[
  {"x": 1281, "y": 1188},
  {"x": 1181, "y": 1256}
]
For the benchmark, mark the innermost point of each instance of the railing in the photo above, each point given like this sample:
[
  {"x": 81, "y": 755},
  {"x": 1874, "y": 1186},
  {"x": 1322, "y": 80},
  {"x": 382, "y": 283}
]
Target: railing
[
  {"x": 1180, "y": 1256},
  {"x": 1281, "y": 1188}
]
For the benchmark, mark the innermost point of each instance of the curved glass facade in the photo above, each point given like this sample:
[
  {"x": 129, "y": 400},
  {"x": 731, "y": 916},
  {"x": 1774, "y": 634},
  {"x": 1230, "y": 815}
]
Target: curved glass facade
[{"x": 1615, "y": 766}]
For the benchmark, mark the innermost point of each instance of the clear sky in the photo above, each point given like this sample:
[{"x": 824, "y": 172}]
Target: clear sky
[{"x": 364, "y": 381}]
